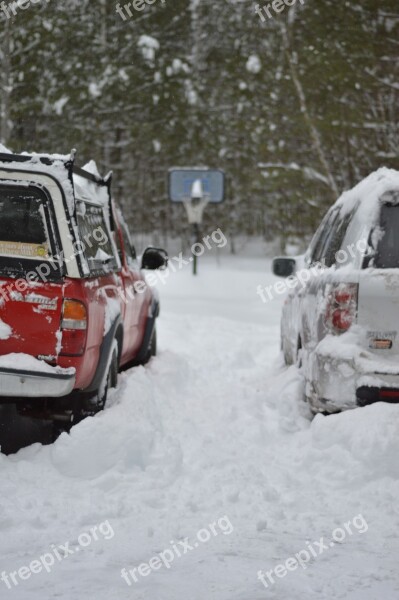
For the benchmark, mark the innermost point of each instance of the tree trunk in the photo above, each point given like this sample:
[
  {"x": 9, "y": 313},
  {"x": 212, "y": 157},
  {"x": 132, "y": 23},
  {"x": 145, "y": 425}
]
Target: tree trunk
[
  {"x": 314, "y": 133},
  {"x": 5, "y": 83}
]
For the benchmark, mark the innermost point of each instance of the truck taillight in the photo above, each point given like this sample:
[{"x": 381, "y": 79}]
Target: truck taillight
[
  {"x": 73, "y": 327},
  {"x": 342, "y": 307}
]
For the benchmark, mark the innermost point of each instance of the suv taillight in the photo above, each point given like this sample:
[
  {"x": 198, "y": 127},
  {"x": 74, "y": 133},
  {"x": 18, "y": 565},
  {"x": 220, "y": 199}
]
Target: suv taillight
[
  {"x": 73, "y": 327},
  {"x": 342, "y": 307}
]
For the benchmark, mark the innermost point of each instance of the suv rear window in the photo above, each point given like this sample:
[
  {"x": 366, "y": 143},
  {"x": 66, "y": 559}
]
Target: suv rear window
[{"x": 387, "y": 252}]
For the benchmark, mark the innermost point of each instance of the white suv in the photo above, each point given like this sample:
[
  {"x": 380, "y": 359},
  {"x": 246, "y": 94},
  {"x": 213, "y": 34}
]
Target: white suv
[{"x": 340, "y": 321}]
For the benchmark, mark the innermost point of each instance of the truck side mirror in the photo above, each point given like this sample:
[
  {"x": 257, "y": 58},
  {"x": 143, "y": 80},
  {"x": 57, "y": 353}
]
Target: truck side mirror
[{"x": 154, "y": 258}]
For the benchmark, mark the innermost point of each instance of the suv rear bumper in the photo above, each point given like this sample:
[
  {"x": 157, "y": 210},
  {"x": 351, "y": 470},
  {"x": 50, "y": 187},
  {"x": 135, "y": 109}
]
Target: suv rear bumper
[
  {"x": 335, "y": 383},
  {"x": 35, "y": 384}
]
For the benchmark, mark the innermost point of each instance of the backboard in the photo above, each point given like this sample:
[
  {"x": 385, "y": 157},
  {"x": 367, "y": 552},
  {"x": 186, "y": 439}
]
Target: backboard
[{"x": 183, "y": 181}]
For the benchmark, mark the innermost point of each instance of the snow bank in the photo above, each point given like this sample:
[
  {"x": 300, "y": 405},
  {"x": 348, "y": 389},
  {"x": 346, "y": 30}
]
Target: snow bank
[
  {"x": 132, "y": 429},
  {"x": 213, "y": 426},
  {"x": 369, "y": 438}
]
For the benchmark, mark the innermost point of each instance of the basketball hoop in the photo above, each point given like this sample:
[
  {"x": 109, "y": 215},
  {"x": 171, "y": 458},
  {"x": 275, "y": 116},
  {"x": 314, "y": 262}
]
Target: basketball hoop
[
  {"x": 196, "y": 187},
  {"x": 195, "y": 209}
]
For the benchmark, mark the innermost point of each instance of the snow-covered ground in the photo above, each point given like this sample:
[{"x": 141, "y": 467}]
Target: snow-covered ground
[{"x": 212, "y": 431}]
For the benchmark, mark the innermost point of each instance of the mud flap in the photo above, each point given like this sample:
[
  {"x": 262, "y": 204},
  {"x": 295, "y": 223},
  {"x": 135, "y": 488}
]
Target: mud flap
[{"x": 149, "y": 328}]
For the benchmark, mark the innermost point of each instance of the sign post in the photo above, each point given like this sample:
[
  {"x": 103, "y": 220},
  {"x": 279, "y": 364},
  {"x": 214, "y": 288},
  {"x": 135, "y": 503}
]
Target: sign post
[{"x": 196, "y": 188}]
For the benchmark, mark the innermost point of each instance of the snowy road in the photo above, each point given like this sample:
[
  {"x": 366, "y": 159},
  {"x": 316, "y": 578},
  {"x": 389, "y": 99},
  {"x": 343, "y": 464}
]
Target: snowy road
[{"x": 212, "y": 428}]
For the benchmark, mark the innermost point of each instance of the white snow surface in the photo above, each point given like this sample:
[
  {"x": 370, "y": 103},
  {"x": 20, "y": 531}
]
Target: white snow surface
[
  {"x": 211, "y": 427},
  {"x": 18, "y": 360}
]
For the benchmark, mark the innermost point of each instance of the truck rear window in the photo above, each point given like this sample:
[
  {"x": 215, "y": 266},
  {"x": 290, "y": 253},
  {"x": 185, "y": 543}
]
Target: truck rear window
[
  {"x": 26, "y": 220},
  {"x": 387, "y": 252},
  {"x": 23, "y": 230}
]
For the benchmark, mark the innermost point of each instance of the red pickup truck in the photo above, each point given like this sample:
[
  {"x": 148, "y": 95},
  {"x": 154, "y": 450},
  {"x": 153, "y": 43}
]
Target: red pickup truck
[{"x": 74, "y": 306}]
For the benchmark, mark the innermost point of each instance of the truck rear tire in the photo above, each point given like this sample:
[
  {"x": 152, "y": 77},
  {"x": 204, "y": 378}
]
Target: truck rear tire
[
  {"x": 97, "y": 400},
  {"x": 152, "y": 346}
]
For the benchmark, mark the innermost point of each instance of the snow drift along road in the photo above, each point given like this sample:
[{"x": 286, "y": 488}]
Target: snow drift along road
[{"x": 212, "y": 427}]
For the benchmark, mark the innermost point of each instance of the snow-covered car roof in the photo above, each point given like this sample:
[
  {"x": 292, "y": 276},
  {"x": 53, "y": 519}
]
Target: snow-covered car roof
[{"x": 368, "y": 192}]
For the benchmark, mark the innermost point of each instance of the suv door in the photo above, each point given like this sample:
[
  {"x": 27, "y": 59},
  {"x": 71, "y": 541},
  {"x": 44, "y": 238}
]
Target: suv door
[
  {"x": 291, "y": 319},
  {"x": 313, "y": 291}
]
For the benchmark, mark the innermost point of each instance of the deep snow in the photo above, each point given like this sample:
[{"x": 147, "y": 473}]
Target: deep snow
[{"x": 212, "y": 427}]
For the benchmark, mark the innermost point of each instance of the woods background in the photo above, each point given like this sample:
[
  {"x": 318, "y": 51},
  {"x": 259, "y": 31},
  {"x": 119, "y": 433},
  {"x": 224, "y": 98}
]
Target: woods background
[{"x": 295, "y": 109}]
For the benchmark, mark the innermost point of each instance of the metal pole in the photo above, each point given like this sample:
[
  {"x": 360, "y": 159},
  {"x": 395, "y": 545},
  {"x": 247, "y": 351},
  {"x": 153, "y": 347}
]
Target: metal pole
[{"x": 196, "y": 241}]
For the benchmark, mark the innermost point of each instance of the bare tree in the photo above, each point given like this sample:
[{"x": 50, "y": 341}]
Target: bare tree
[
  {"x": 314, "y": 132},
  {"x": 5, "y": 83}
]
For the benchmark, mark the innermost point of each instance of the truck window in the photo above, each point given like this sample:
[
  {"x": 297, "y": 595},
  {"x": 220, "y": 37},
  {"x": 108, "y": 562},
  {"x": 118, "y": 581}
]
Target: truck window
[{"x": 95, "y": 238}]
